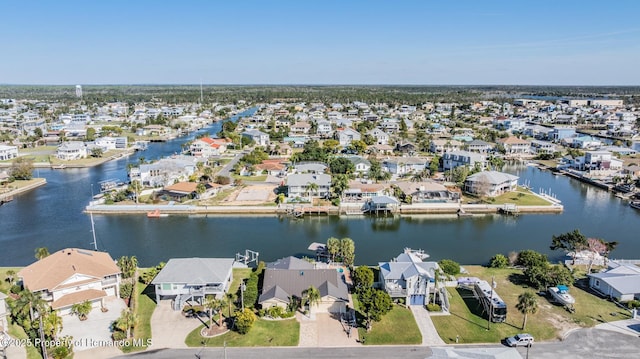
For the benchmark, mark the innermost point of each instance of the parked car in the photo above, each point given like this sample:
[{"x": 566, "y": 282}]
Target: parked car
[{"x": 519, "y": 340}]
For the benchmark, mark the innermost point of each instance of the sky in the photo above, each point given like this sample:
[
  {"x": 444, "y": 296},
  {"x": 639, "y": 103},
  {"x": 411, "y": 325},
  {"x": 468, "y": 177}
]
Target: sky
[{"x": 461, "y": 42}]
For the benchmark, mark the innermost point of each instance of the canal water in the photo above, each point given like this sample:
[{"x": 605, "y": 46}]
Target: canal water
[{"x": 51, "y": 216}]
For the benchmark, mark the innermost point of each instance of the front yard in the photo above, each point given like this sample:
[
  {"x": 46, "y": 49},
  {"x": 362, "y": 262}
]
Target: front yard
[
  {"x": 398, "y": 327},
  {"x": 264, "y": 333},
  {"x": 550, "y": 322}
]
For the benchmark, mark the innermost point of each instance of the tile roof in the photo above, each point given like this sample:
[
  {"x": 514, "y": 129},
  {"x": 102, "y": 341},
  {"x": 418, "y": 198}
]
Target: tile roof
[{"x": 53, "y": 270}]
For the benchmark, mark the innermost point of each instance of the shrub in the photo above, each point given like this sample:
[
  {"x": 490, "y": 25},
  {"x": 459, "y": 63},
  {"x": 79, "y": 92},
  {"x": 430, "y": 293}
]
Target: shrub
[
  {"x": 530, "y": 258},
  {"x": 498, "y": 261},
  {"x": 119, "y": 335},
  {"x": 633, "y": 304},
  {"x": 449, "y": 267},
  {"x": 223, "y": 180},
  {"x": 244, "y": 320},
  {"x": 125, "y": 290},
  {"x": 275, "y": 312},
  {"x": 432, "y": 307}
]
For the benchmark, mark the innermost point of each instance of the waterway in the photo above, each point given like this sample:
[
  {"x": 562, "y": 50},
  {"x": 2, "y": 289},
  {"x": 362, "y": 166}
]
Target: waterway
[{"x": 52, "y": 216}]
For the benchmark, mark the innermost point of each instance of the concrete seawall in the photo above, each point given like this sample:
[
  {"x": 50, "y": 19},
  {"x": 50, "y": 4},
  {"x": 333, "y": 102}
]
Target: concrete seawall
[{"x": 37, "y": 183}]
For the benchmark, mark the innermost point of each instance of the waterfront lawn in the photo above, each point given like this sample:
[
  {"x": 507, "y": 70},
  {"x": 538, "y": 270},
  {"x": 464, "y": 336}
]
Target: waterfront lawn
[
  {"x": 396, "y": 327},
  {"x": 144, "y": 307},
  {"x": 219, "y": 197},
  {"x": 89, "y": 161},
  {"x": 264, "y": 333},
  {"x": 521, "y": 197},
  {"x": 551, "y": 321},
  {"x": 4, "y": 284}
]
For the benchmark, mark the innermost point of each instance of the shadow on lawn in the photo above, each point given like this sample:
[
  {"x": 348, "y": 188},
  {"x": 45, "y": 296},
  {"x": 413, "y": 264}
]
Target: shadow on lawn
[{"x": 475, "y": 307}]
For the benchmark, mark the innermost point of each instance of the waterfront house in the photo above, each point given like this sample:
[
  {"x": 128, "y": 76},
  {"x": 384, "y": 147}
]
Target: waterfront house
[
  {"x": 359, "y": 191},
  {"x": 108, "y": 143},
  {"x": 515, "y": 146},
  {"x": 540, "y": 147},
  {"x": 444, "y": 145},
  {"x": 598, "y": 160},
  {"x": 165, "y": 171},
  {"x": 300, "y": 185},
  {"x": 72, "y": 276},
  {"x": 207, "y": 147},
  {"x": 408, "y": 277},
  {"x": 453, "y": 159},
  {"x": 619, "y": 281},
  {"x": 289, "y": 277},
  {"x": 561, "y": 133},
  {"x": 347, "y": 135},
  {"x": 490, "y": 183},
  {"x": 479, "y": 146},
  {"x": 188, "y": 190},
  {"x": 184, "y": 279},
  {"x": 8, "y": 152},
  {"x": 584, "y": 142},
  {"x": 428, "y": 192},
  {"x": 259, "y": 137},
  {"x": 71, "y": 150}
]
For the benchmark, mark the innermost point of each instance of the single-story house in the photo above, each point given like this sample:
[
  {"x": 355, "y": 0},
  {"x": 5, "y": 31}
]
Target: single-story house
[
  {"x": 428, "y": 192},
  {"x": 290, "y": 277},
  {"x": 72, "y": 276},
  {"x": 619, "y": 281},
  {"x": 188, "y": 190},
  {"x": 184, "y": 279}
]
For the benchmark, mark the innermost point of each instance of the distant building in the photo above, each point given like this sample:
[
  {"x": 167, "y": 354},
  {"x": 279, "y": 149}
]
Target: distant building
[
  {"x": 8, "y": 152},
  {"x": 451, "y": 160},
  {"x": 79, "y": 91},
  {"x": 490, "y": 183},
  {"x": 259, "y": 137},
  {"x": 71, "y": 150}
]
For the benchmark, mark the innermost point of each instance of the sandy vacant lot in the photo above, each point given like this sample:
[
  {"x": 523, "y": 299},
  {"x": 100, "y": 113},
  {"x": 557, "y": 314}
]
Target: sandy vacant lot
[{"x": 251, "y": 195}]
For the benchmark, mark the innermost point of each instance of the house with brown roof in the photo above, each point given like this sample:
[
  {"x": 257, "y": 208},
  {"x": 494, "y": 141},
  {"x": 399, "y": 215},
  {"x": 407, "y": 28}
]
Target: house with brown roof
[
  {"x": 207, "y": 147},
  {"x": 72, "y": 276},
  {"x": 188, "y": 190},
  {"x": 515, "y": 146},
  {"x": 274, "y": 167}
]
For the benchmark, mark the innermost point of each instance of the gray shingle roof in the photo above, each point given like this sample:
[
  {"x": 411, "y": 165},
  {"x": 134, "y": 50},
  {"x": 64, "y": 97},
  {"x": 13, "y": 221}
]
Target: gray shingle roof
[
  {"x": 196, "y": 271},
  {"x": 493, "y": 177},
  {"x": 290, "y": 263},
  {"x": 293, "y": 282}
]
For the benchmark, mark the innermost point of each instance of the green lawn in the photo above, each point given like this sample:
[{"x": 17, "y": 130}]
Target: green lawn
[
  {"x": 521, "y": 197},
  {"x": 468, "y": 321},
  {"x": 396, "y": 328},
  {"x": 17, "y": 332},
  {"x": 259, "y": 178},
  {"x": 144, "y": 309},
  {"x": 265, "y": 333}
]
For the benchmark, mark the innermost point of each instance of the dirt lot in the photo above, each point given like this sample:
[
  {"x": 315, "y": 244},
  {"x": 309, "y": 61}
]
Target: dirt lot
[{"x": 251, "y": 195}]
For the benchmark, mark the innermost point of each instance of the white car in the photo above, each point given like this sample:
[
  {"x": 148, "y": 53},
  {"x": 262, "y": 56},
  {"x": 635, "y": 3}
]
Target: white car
[{"x": 520, "y": 340}]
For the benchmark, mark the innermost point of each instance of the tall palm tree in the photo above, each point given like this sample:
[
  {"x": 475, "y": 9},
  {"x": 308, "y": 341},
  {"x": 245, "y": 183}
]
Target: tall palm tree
[
  {"x": 312, "y": 188},
  {"x": 126, "y": 321},
  {"x": 11, "y": 276},
  {"x": 527, "y": 304},
  {"x": 230, "y": 298},
  {"x": 312, "y": 295},
  {"x": 41, "y": 252}
]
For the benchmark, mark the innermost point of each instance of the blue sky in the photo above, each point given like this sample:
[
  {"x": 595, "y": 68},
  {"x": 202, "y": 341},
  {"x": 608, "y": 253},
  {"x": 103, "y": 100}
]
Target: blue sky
[{"x": 320, "y": 42}]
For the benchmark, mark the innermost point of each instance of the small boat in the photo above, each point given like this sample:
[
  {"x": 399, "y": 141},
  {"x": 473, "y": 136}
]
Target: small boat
[
  {"x": 561, "y": 295},
  {"x": 156, "y": 214},
  {"x": 634, "y": 204}
]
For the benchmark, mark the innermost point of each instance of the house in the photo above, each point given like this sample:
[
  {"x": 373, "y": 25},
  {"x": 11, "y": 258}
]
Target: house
[
  {"x": 600, "y": 160},
  {"x": 324, "y": 128},
  {"x": 451, "y": 160},
  {"x": 4, "y": 312},
  {"x": 560, "y": 133},
  {"x": 165, "y": 171},
  {"x": 542, "y": 147},
  {"x": 207, "y": 147},
  {"x": 428, "y": 192},
  {"x": 444, "y": 145},
  {"x": 8, "y": 152},
  {"x": 359, "y": 191},
  {"x": 300, "y": 128},
  {"x": 619, "y": 281},
  {"x": 188, "y": 190},
  {"x": 406, "y": 148},
  {"x": 381, "y": 149},
  {"x": 362, "y": 165},
  {"x": 300, "y": 185},
  {"x": 515, "y": 146},
  {"x": 289, "y": 277},
  {"x": 259, "y": 137},
  {"x": 404, "y": 165},
  {"x": 184, "y": 279},
  {"x": 71, "y": 150},
  {"x": 71, "y": 276},
  {"x": 585, "y": 142},
  {"x": 273, "y": 167},
  {"x": 479, "y": 146},
  {"x": 347, "y": 135},
  {"x": 310, "y": 167},
  {"x": 108, "y": 143},
  {"x": 490, "y": 183},
  {"x": 381, "y": 137},
  {"x": 408, "y": 277}
]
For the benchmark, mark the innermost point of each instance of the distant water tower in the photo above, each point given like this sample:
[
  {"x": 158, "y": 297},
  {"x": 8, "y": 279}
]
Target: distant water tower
[{"x": 79, "y": 91}]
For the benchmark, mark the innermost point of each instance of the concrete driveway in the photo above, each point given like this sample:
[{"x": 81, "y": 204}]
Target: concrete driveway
[
  {"x": 96, "y": 330},
  {"x": 324, "y": 330},
  {"x": 425, "y": 324},
  {"x": 169, "y": 328}
]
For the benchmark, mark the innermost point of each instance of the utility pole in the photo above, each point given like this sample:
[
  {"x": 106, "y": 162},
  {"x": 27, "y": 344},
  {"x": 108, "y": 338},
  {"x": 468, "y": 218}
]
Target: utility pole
[
  {"x": 243, "y": 287},
  {"x": 491, "y": 304}
]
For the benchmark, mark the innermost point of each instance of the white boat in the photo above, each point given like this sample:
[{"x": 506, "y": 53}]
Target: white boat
[
  {"x": 561, "y": 295},
  {"x": 635, "y": 204}
]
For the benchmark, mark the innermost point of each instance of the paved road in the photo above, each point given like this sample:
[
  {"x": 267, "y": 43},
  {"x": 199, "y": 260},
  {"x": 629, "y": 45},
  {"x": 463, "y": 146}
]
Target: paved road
[
  {"x": 226, "y": 170},
  {"x": 581, "y": 344}
]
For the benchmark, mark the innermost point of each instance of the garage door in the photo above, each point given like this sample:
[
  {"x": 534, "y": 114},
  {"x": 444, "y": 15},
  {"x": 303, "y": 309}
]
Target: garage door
[{"x": 416, "y": 300}]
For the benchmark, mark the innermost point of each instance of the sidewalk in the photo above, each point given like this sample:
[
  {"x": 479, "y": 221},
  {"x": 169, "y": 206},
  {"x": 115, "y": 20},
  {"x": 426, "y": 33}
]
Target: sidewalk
[{"x": 427, "y": 329}]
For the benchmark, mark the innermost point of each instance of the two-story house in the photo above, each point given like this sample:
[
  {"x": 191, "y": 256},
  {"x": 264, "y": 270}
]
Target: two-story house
[
  {"x": 451, "y": 160},
  {"x": 308, "y": 185},
  {"x": 71, "y": 150},
  {"x": 8, "y": 152},
  {"x": 347, "y": 135},
  {"x": 381, "y": 137},
  {"x": 207, "y": 147},
  {"x": 183, "y": 279},
  {"x": 408, "y": 277},
  {"x": 259, "y": 137},
  {"x": 515, "y": 146},
  {"x": 444, "y": 145},
  {"x": 72, "y": 276}
]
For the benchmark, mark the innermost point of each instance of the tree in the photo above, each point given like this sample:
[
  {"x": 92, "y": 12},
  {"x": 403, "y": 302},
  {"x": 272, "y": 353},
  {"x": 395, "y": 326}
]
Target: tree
[
  {"x": 312, "y": 188},
  {"x": 10, "y": 277},
  {"x": 362, "y": 277},
  {"x": 375, "y": 171},
  {"x": 41, "y": 252},
  {"x": 91, "y": 134},
  {"x": 374, "y": 303},
  {"x": 527, "y": 304},
  {"x": 333, "y": 246},
  {"x": 434, "y": 165},
  {"x": 51, "y": 324},
  {"x": 331, "y": 145},
  {"x": 498, "y": 261},
  {"x": 200, "y": 189},
  {"x": 222, "y": 180},
  {"x": 403, "y": 129},
  {"x": 571, "y": 242},
  {"x": 210, "y": 304},
  {"x": 229, "y": 299},
  {"x": 97, "y": 152},
  {"x": 135, "y": 187},
  {"x": 244, "y": 320},
  {"x": 339, "y": 184},
  {"x": 529, "y": 258},
  {"x": 341, "y": 165},
  {"x": 21, "y": 168},
  {"x": 126, "y": 321},
  {"x": 449, "y": 267},
  {"x": 128, "y": 266},
  {"x": 358, "y": 146},
  {"x": 347, "y": 251},
  {"x": 82, "y": 310},
  {"x": 312, "y": 296}
]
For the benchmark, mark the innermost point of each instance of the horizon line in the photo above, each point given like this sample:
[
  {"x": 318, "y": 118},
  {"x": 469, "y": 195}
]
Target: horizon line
[{"x": 312, "y": 84}]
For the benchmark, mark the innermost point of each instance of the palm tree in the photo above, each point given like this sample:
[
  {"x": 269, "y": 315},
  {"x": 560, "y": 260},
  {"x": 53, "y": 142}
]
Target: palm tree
[
  {"x": 41, "y": 252},
  {"x": 52, "y": 324},
  {"x": 312, "y": 295},
  {"x": 312, "y": 187},
  {"x": 230, "y": 298},
  {"x": 527, "y": 304},
  {"x": 210, "y": 304},
  {"x": 82, "y": 310},
  {"x": 126, "y": 321},
  {"x": 11, "y": 276},
  {"x": 136, "y": 188}
]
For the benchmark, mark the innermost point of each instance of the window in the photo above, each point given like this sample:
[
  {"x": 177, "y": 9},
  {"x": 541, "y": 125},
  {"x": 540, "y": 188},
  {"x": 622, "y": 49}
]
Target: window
[
  {"x": 166, "y": 286},
  {"x": 597, "y": 283}
]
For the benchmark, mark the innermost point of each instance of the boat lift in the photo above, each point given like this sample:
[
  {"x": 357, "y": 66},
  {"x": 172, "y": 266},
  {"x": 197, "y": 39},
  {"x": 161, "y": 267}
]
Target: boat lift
[{"x": 249, "y": 256}]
